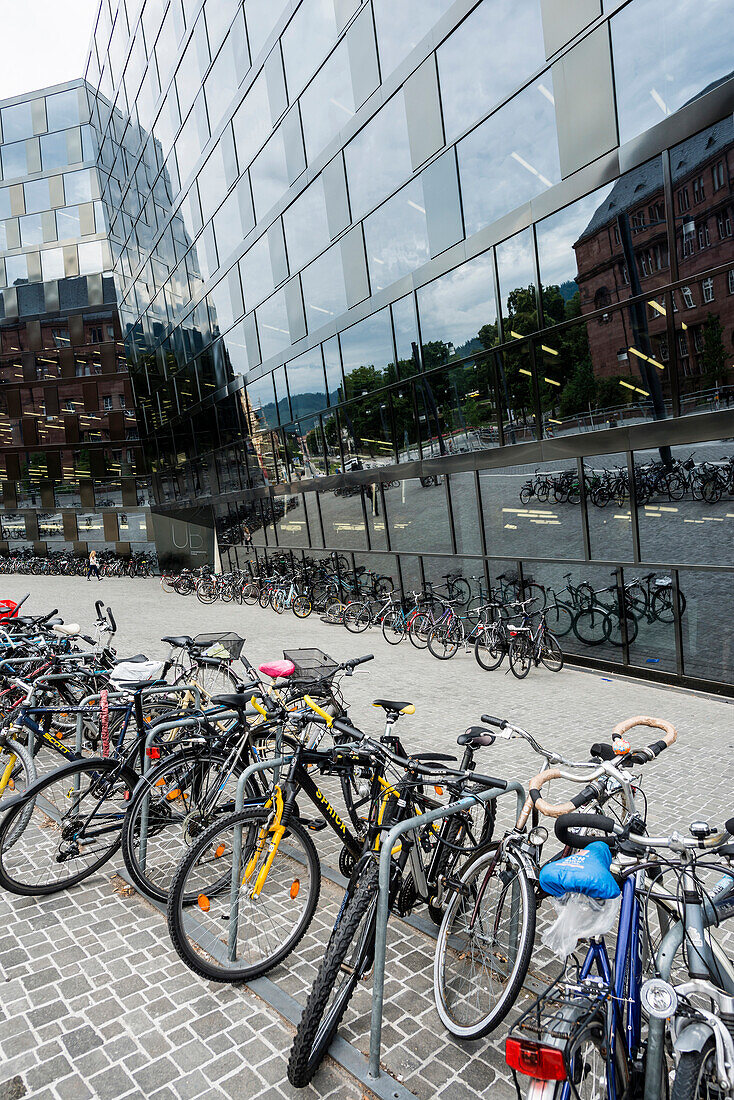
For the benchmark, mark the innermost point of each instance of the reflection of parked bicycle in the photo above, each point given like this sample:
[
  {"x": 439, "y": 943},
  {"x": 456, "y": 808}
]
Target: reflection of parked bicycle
[
  {"x": 530, "y": 646},
  {"x": 652, "y": 597}
]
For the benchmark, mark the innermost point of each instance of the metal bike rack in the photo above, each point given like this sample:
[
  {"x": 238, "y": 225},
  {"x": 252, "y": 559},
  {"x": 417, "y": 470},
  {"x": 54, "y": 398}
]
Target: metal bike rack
[{"x": 383, "y": 898}]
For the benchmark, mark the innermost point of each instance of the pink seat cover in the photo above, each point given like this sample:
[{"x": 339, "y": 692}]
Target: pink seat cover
[{"x": 278, "y": 668}]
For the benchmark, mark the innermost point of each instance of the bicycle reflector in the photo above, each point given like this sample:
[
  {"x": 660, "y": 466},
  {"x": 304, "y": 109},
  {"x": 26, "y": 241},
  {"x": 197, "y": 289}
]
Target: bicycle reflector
[
  {"x": 535, "y": 1060},
  {"x": 153, "y": 753}
]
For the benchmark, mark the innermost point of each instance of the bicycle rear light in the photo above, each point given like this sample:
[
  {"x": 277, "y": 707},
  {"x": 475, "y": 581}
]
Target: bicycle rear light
[
  {"x": 153, "y": 753},
  {"x": 535, "y": 1060}
]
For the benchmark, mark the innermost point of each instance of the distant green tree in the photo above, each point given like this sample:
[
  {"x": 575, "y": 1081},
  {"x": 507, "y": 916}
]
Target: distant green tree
[{"x": 713, "y": 356}]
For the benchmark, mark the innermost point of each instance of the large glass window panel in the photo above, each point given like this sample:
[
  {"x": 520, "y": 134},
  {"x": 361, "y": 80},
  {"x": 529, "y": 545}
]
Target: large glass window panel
[
  {"x": 396, "y": 236},
  {"x": 17, "y": 121},
  {"x": 251, "y": 121},
  {"x": 52, "y": 263},
  {"x": 608, "y": 506},
  {"x": 78, "y": 186},
  {"x": 307, "y": 38},
  {"x": 516, "y": 267},
  {"x": 257, "y": 273},
  {"x": 62, "y": 110},
  {"x": 508, "y": 31},
  {"x": 261, "y": 16},
  {"x": 14, "y": 160},
  {"x": 333, "y": 367},
  {"x": 307, "y": 387},
  {"x": 328, "y": 102},
  {"x": 215, "y": 176},
  {"x": 193, "y": 136},
  {"x": 557, "y": 237},
  {"x": 272, "y": 325},
  {"x": 54, "y": 151},
  {"x": 366, "y": 430},
  {"x": 5, "y": 211},
  {"x": 269, "y": 174},
  {"x": 569, "y": 589},
  {"x": 515, "y": 367},
  {"x": 324, "y": 293},
  {"x": 708, "y": 625},
  {"x": 306, "y": 226},
  {"x": 16, "y": 270},
  {"x": 685, "y": 511},
  {"x": 233, "y": 219},
  {"x": 291, "y": 526},
  {"x": 413, "y": 524},
  {"x": 343, "y": 518},
  {"x": 90, "y": 527},
  {"x": 31, "y": 229},
  {"x": 92, "y": 257},
  {"x": 406, "y": 428},
  {"x": 656, "y": 74},
  {"x": 405, "y": 328},
  {"x": 458, "y": 312},
  {"x": 511, "y": 157},
  {"x": 227, "y": 72},
  {"x": 400, "y": 27},
  {"x": 464, "y": 506},
  {"x": 459, "y": 406},
  {"x": 367, "y": 354},
  {"x": 378, "y": 158},
  {"x": 261, "y": 408},
  {"x": 193, "y": 65}
]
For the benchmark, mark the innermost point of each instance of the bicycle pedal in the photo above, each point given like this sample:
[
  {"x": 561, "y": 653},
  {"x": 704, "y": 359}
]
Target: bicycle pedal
[{"x": 313, "y": 826}]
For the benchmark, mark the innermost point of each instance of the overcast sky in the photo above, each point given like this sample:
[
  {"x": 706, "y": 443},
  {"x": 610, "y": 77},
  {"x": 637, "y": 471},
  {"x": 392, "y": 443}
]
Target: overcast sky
[{"x": 44, "y": 42}]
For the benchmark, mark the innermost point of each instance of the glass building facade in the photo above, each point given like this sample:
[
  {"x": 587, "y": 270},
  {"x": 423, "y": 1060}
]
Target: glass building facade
[
  {"x": 378, "y": 263},
  {"x": 70, "y": 455}
]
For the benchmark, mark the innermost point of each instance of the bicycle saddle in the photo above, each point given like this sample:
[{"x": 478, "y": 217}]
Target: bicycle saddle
[
  {"x": 178, "y": 642},
  {"x": 275, "y": 669},
  {"x": 394, "y": 708},
  {"x": 240, "y": 701},
  {"x": 585, "y": 872},
  {"x": 66, "y": 630},
  {"x": 476, "y": 735}
]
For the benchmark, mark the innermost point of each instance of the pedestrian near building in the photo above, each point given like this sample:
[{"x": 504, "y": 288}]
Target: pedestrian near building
[{"x": 93, "y": 570}]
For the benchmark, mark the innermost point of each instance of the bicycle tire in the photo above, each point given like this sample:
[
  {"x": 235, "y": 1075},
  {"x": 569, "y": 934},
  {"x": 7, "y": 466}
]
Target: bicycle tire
[
  {"x": 693, "y": 1067},
  {"x": 319, "y": 1021},
  {"x": 586, "y": 1036},
  {"x": 25, "y": 766},
  {"x": 551, "y": 653},
  {"x": 201, "y": 962},
  {"x": 560, "y": 619},
  {"x": 662, "y": 605},
  {"x": 444, "y": 641},
  {"x": 13, "y": 869},
  {"x": 418, "y": 630},
  {"x": 302, "y": 607},
  {"x": 250, "y": 593},
  {"x": 451, "y": 989},
  {"x": 169, "y": 815},
  {"x": 393, "y": 627},
  {"x": 488, "y": 652},
  {"x": 592, "y": 625},
  {"x": 356, "y": 617},
  {"x": 520, "y": 656}
]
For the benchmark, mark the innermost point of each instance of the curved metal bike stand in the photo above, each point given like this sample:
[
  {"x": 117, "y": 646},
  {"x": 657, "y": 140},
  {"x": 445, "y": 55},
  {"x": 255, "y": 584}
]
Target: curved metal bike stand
[{"x": 383, "y": 899}]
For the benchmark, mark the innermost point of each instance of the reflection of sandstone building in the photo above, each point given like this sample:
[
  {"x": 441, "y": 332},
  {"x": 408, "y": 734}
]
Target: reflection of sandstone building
[{"x": 702, "y": 172}]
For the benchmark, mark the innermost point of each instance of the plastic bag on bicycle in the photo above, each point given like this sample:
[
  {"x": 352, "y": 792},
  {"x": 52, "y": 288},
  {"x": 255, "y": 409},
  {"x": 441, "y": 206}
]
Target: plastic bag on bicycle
[{"x": 585, "y": 894}]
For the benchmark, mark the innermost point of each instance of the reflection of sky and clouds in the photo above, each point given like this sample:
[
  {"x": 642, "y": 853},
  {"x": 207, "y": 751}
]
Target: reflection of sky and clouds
[
  {"x": 324, "y": 295},
  {"x": 368, "y": 343},
  {"x": 511, "y": 157},
  {"x": 306, "y": 226},
  {"x": 307, "y": 39},
  {"x": 397, "y": 236},
  {"x": 486, "y": 57},
  {"x": 269, "y": 174},
  {"x": 666, "y": 54},
  {"x": 261, "y": 17},
  {"x": 455, "y": 307},
  {"x": 400, "y": 27},
  {"x": 306, "y": 375},
  {"x": 272, "y": 325},
  {"x": 256, "y": 273},
  {"x": 378, "y": 158},
  {"x": 558, "y": 234},
  {"x": 328, "y": 102}
]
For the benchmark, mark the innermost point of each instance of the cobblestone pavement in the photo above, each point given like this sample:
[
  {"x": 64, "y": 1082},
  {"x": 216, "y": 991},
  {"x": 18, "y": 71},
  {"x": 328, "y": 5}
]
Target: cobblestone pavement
[{"x": 94, "y": 1001}]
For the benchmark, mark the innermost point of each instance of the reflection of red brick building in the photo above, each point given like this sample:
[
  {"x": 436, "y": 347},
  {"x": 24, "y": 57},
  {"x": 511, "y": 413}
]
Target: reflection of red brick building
[{"x": 702, "y": 178}]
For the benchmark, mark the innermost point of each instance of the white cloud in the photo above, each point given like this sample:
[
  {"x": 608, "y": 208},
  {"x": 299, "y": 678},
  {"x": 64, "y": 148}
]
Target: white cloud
[{"x": 44, "y": 42}]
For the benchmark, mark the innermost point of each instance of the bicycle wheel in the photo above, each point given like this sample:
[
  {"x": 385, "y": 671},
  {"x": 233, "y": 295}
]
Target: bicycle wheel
[
  {"x": 250, "y": 592},
  {"x": 229, "y": 934},
  {"x": 302, "y": 607},
  {"x": 171, "y": 806},
  {"x": 484, "y": 944},
  {"x": 348, "y": 956},
  {"x": 662, "y": 604},
  {"x": 635, "y": 598},
  {"x": 419, "y": 627},
  {"x": 560, "y": 619},
  {"x": 592, "y": 625},
  {"x": 17, "y": 772},
  {"x": 357, "y": 617},
  {"x": 393, "y": 627},
  {"x": 217, "y": 679},
  {"x": 583, "y": 1037},
  {"x": 489, "y": 650},
  {"x": 520, "y": 655},
  {"x": 616, "y": 635},
  {"x": 461, "y": 590},
  {"x": 696, "y": 1077},
  {"x": 444, "y": 640},
  {"x": 206, "y": 591},
  {"x": 551, "y": 653},
  {"x": 73, "y": 830},
  {"x": 537, "y": 592}
]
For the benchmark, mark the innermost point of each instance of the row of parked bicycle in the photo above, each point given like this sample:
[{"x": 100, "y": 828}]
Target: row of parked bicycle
[
  {"x": 65, "y": 564},
  {"x": 513, "y": 613},
  {"x": 205, "y": 790},
  {"x": 677, "y": 480}
]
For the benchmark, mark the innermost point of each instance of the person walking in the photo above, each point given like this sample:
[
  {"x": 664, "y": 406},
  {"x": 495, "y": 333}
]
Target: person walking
[{"x": 93, "y": 569}]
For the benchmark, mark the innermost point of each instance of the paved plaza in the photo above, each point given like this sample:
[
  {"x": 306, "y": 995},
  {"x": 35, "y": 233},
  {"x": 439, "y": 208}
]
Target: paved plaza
[{"x": 95, "y": 1002}]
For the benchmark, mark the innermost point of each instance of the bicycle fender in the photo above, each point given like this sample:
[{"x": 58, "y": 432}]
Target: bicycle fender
[{"x": 692, "y": 1037}]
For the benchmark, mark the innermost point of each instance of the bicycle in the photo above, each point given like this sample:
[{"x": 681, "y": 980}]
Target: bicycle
[{"x": 528, "y": 646}]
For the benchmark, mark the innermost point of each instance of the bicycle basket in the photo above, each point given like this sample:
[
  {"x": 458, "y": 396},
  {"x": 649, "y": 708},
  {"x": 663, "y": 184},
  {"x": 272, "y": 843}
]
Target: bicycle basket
[
  {"x": 310, "y": 664},
  {"x": 228, "y": 646}
]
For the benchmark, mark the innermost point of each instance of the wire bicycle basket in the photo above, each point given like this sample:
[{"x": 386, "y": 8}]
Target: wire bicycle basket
[
  {"x": 227, "y": 646},
  {"x": 311, "y": 665}
]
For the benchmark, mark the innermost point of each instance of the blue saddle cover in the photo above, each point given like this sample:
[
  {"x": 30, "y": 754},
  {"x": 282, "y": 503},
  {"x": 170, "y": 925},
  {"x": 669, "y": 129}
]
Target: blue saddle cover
[{"x": 585, "y": 872}]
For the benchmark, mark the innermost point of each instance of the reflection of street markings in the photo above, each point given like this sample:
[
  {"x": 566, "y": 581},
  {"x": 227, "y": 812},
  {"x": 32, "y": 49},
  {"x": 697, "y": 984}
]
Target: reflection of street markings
[
  {"x": 693, "y": 521},
  {"x": 402, "y": 525},
  {"x": 510, "y": 527},
  {"x": 713, "y": 519},
  {"x": 664, "y": 509},
  {"x": 557, "y": 522},
  {"x": 628, "y": 517},
  {"x": 348, "y": 527},
  {"x": 653, "y": 515}
]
